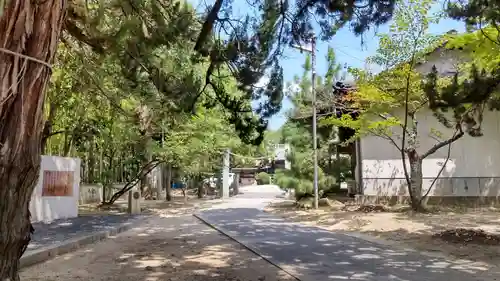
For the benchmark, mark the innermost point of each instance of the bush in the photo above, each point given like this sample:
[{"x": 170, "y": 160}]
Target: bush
[
  {"x": 303, "y": 186},
  {"x": 263, "y": 178}
]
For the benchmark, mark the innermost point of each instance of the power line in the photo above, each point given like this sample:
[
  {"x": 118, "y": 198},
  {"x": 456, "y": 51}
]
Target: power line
[
  {"x": 349, "y": 55},
  {"x": 349, "y": 47}
]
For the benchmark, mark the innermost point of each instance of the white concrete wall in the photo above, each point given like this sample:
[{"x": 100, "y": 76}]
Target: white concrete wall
[
  {"x": 280, "y": 153},
  {"x": 473, "y": 168},
  {"x": 90, "y": 193},
  {"x": 48, "y": 208},
  {"x": 248, "y": 181},
  {"x": 116, "y": 187}
]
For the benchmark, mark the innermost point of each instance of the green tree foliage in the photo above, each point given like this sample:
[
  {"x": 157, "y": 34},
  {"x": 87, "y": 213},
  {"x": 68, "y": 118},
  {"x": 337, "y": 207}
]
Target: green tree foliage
[
  {"x": 256, "y": 43},
  {"x": 120, "y": 128},
  {"x": 297, "y": 132},
  {"x": 135, "y": 93},
  {"x": 151, "y": 43},
  {"x": 481, "y": 46}
]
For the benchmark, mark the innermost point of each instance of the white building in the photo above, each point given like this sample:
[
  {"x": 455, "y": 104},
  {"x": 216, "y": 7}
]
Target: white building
[
  {"x": 280, "y": 156},
  {"x": 472, "y": 171}
]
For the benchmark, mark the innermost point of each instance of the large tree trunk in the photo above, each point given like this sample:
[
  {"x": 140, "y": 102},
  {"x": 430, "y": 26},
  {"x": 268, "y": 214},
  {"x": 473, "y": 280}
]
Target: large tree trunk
[
  {"x": 144, "y": 119},
  {"x": 32, "y": 29}
]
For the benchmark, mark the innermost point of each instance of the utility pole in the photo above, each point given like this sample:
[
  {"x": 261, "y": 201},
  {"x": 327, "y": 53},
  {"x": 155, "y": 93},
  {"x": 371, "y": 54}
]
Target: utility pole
[{"x": 312, "y": 51}]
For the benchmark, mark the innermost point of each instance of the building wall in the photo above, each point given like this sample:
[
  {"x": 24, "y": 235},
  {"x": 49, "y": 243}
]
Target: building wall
[
  {"x": 280, "y": 151},
  {"x": 280, "y": 154},
  {"x": 115, "y": 188},
  {"x": 248, "y": 181},
  {"x": 447, "y": 61},
  {"x": 56, "y": 194},
  {"x": 472, "y": 170}
]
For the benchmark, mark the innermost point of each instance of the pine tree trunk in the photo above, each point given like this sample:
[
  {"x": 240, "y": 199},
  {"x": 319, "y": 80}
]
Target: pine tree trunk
[
  {"x": 91, "y": 165},
  {"x": 168, "y": 182},
  {"x": 31, "y": 28},
  {"x": 144, "y": 121}
]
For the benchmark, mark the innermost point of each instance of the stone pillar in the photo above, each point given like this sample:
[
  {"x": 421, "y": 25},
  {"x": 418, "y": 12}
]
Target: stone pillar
[
  {"x": 159, "y": 181},
  {"x": 236, "y": 184},
  {"x": 134, "y": 200},
  {"x": 225, "y": 175}
]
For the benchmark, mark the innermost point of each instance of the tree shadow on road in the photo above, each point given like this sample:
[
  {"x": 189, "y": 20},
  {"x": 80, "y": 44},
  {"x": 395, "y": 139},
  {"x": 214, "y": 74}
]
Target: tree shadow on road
[
  {"x": 419, "y": 231},
  {"x": 324, "y": 255}
]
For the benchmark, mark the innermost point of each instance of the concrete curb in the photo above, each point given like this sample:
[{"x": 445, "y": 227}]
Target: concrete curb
[
  {"x": 252, "y": 249},
  {"x": 46, "y": 253}
]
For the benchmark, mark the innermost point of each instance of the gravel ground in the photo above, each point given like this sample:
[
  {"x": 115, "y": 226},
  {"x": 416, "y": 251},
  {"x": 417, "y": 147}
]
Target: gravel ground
[{"x": 170, "y": 249}]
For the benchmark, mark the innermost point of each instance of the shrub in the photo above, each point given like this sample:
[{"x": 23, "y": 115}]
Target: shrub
[
  {"x": 263, "y": 178},
  {"x": 303, "y": 186}
]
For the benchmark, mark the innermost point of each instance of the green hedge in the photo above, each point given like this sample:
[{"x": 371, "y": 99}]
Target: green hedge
[{"x": 263, "y": 178}]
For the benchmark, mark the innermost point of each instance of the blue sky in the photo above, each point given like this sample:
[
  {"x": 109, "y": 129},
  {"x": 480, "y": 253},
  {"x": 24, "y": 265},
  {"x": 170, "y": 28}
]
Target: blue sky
[{"x": 349, "y": 49}]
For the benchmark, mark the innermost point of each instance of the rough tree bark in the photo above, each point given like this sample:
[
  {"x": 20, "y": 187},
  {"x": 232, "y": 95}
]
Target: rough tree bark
[
  {"x": 168, "y": 182},
  {"x": 91, "y": 163},
  {"x": 47, "y": 127},
  {"x": 416, "y": 180},
  {"x": 144, "y": 119},
  {"x": 29, "y": 34}
]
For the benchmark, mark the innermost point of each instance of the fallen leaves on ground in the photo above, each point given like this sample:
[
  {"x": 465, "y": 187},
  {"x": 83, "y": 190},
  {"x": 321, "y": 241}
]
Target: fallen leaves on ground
[
  {"x": 371, "y": 209},
  {"x": 466, "y": 236}
]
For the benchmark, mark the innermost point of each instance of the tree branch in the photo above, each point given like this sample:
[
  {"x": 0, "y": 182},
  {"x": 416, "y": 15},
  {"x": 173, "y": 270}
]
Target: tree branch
[
  {"x": 56, "y": 133},
  {"x": 406, "y": 111},
  {"x": 449, "y": 141},
  {"x": 387, "y": 118},
  {"x": 439, "y": 173},
  {"x": 389, "y": 138},
  {"x": 207, "y": 26}
]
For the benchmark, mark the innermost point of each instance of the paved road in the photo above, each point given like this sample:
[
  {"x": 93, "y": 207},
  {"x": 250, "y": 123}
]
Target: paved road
[
  {"x": 64, "y": 229},
  {"x": 257, "y": 197},
  {"x": 315, "y": 254}
]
